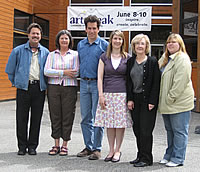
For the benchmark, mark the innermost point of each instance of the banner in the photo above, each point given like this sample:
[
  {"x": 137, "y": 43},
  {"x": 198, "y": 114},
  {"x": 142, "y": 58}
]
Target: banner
[{"x": 112, "y": 18}]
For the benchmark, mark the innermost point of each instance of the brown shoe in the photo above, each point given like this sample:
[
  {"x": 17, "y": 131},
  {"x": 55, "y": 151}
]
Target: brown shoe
[
  {"x": 85, "y": 152},
  {"x": 95, "y": 155}
]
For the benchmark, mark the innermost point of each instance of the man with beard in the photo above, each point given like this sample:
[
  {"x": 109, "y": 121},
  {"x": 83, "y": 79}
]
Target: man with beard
[{"x": 25, "y": 69}]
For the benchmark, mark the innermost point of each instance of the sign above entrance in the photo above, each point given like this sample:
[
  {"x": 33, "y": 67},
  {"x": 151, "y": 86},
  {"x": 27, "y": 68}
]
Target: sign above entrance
[{"x": 112, "y": 18}]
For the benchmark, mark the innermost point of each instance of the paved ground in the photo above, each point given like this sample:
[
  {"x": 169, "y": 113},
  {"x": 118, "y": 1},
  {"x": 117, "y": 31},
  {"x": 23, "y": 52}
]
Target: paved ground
[{"x": 11, "y": 162}]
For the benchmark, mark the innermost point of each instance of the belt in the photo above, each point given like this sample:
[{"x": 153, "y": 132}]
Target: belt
[
  {"x": 34, "y": 81},
  {"x": 89, "y": 79}
]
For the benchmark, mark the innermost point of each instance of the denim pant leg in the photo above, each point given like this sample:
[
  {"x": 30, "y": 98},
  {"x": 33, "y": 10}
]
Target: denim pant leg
[
  {"x": 170, "y": 135},
  {"x": 86, "y": 115},
  {"x": 98, "y": 131},
  {"x": 88, "y": 103},
  {"x": 179, "y": 125}
]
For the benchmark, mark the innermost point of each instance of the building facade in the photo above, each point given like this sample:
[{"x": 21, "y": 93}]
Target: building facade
[
  {"x": 15, "y": 16},
  {"x": 179, "y": 16},
  {"x": 52, "y": 16}
]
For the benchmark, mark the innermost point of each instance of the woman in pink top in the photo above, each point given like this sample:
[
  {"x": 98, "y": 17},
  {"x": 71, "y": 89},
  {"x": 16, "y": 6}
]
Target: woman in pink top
[{"x": 61, "y": 68}]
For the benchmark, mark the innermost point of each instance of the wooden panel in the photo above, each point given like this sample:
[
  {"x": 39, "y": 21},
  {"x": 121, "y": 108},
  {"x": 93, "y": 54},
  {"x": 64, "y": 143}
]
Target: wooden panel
[
  {"x": 54, "y": 10},
  {"x": 194, "y": 78},
  {"x": 162, "y": 21},
  {"x": 8, "y": 94},
  {"x": 6, "y": 36},
  {"x": 4, "y": 76},
  {"x": 176, "y": 16},
  {"x": 126, "y": 3},
  {"x": 162, "y": 10},
  {"x": 126, "y": 35}
]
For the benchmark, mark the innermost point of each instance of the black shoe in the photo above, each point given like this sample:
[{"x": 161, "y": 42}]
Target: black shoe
[
  {"x": 141, "y": 164},
  {"x": 21, "y": 152},
  {"x": 135, "y": 161},
  {"x": 32, "y": 152},
  {"x": 107, "y": 159},
  {"x": 116, "y": 160}
]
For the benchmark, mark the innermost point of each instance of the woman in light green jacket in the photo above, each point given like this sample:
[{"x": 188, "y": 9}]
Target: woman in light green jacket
[{"x": 176, "y": 99}]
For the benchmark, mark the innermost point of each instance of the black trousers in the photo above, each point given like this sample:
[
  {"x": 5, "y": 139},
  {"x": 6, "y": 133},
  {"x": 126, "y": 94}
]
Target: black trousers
[
  {"x": 32, "y": 100},
  {"x": 62, "y": 104},
  {"x": 143, "y": 125}
]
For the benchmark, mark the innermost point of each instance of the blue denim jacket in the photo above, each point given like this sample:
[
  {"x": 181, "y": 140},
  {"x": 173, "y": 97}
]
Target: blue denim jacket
[{"x": 18, "y": 66}]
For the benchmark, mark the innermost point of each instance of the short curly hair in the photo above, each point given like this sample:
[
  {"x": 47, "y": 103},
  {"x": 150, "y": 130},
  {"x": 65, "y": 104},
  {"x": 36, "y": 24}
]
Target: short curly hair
[{"x": 92, "y": 19}]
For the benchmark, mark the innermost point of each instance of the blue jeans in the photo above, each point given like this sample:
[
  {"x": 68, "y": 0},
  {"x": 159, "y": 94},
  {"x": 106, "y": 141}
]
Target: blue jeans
[
  {"x": 88, "y": 104},
  {"x": 177, "y": 126}
]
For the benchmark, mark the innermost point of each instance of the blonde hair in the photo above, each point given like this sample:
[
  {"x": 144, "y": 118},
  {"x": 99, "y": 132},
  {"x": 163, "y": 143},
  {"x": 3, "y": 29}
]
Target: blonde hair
[
  {"x": 182, "y": 48},
  {"x": 122, "y": 50},
  {"x": 137, "y": 39}
]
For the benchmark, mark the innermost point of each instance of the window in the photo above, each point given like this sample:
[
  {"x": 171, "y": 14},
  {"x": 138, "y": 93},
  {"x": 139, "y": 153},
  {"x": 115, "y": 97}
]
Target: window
[
  {"x": 44, "y": 24},
  {"x": 188, "y": 26},
  {"x": 19, "y": 39},
  {"x": 45, "y": 42},
  {"x": 157, "y": 35},
  {"x": 21, "y": 22},
  {"x": 157, "y": 50}
]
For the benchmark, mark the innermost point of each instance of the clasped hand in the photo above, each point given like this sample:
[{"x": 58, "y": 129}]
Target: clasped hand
[{"x": 70, "y": 72}]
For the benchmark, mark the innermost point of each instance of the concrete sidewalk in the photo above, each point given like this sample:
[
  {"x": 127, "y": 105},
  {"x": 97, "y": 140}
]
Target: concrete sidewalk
[{"x": 11, "y": 162}]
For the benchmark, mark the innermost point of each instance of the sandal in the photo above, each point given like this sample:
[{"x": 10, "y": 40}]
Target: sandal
[
  {"x": 63, "y": 151},
  {"x": 55, "y": 150}
]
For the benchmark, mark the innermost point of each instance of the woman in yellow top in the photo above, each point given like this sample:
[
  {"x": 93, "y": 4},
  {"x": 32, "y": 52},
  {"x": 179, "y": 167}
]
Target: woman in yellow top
[{"x": 176, "y": 99}]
